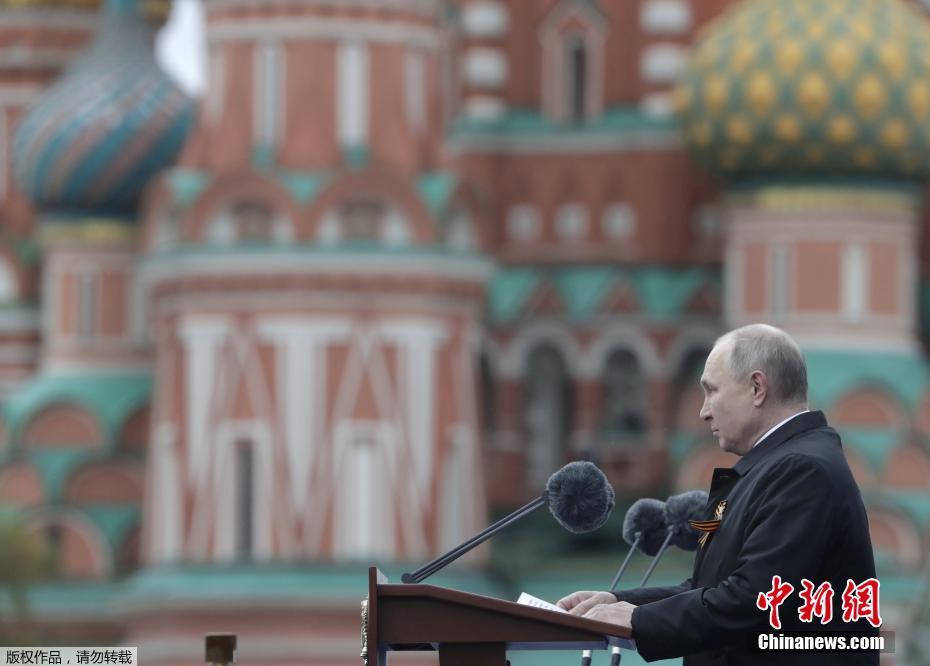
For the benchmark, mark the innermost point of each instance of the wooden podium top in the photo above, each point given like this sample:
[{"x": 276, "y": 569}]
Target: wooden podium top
[{"x": 419, "y": 617}]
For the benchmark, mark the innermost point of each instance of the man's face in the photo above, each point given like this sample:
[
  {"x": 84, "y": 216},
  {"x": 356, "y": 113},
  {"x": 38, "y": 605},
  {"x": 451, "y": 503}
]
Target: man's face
[{"x": 728, "y": 404}]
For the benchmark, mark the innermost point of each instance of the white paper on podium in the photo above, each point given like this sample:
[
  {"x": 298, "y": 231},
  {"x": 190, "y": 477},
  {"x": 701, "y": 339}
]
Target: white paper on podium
[{"x": 530, "y": 600}]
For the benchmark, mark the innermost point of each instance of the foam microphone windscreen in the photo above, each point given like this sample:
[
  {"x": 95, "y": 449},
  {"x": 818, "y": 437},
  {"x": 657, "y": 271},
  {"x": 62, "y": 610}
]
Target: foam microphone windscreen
[
  {"x": 646, "y": 517},
  {"x": 679, "y": 509},
  {"x": 580, "y": 497}
]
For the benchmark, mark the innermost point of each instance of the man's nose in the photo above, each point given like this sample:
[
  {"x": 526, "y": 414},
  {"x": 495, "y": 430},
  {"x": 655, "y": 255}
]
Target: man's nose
[{"x": 705, "y": 412}]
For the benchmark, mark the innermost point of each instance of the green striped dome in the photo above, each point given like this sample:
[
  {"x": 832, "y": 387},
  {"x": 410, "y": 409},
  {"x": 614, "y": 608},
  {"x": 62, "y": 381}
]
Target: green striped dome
[{"x": 811, "y": 87}]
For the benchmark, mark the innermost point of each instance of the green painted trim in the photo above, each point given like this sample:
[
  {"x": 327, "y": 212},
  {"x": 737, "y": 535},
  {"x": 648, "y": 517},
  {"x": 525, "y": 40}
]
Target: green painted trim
[
  {"x": 619, "y": 119},
  {"x": 113, "y": 520},
  {"x": 111, "y": 398},
  {"x": 435, "y": 189},
  {"x": 873, "y": 444},
  {"x": 55, "y": 466},
  {"x": 187, "y": 184},
  {"x": 662, "y": 292},
  {"x": 302, "y": 186},
  {"x": 583, "y": 289},
  {"x": 509, "y": 291},
  {"x": 356, "y": 157},
  {"x": 263, "y": 157},
  {"x": 833, "y": 374}
]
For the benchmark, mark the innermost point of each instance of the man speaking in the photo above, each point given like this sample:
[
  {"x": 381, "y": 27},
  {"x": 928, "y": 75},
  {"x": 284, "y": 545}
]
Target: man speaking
[{"x": 789, "y": 508}]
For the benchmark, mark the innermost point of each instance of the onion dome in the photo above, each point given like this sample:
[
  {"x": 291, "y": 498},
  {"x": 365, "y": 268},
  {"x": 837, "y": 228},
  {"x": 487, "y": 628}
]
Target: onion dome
[
  {"x": 94, "y": 139},
  {"x": 811, "y": 87}
]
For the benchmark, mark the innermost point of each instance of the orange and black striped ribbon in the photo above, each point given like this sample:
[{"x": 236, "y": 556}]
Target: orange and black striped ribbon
[{"x": 708, "y": 527}]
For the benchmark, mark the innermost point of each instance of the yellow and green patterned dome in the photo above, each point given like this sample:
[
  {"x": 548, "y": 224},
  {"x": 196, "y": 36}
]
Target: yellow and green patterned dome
[{"x": 811, "y": 87}]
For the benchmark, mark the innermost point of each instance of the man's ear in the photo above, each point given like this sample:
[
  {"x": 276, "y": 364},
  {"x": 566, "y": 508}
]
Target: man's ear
[{"x": 759, "y": 384}]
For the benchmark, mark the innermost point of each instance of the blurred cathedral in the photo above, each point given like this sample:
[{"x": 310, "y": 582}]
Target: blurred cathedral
[{"x": 405, "y": 259}]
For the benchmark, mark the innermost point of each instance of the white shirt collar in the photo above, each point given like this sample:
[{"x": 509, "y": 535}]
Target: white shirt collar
[{"x": 777, "y": 426}]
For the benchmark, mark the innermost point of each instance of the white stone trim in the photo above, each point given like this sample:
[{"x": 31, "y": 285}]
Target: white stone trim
[
  {"x": 321, "y": 29},
  {"x": 164, "y": 269},
  {"x": 854, "y": 282},
  {"x": 572, "y": 221},
  {"x": 484, "y": 107},
  {"x": 415, "y": 88},
  {"x": 269, "y": 101},
  {"x": 524, "y": 223},
  {"x": 619, "y": 221},
  {"x": 514, "y": 356},
  {"x": 622, "y": 336},
  {"x": 485, "y": 19},
  {"x": 352, "y": 92},
  {"x": 665, "y": 17},
  {"x": 485, "y": 67},
  {"x": 663, "y": 63},
  {"x": 657, "y": 105}
]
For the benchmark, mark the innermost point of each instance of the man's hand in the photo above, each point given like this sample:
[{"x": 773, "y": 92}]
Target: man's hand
[
  {"x": 620, "y": 613},
  {"x": 580, "y": 603}
]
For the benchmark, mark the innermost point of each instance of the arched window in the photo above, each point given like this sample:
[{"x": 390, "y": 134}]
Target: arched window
[
  {"x": 253, "y": 222},
  {"x": 623, "y": 407},
  {"x": 547, "y": 412},
  {"x": 364, "y": 221},
  {"x": 249, "y": 222},
  {"x": 576, "y": 77},
  {"x": 573, "y": 37}
]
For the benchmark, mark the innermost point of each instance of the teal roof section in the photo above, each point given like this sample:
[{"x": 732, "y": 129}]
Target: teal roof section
[
  {"x": 583, "y": 289},
  {"x": 187, "y": 184},
  {"x": 55, "y": 466},
  {"x": 915, "y": 504},
  {"x": 111, "y": 398},
  {"x": 95, "y": 600},
  {"x": 509, "y": 290},
  {"x": 114, "y": 521},
  {"x": 873, "y": 444},
  {"x": 663, "y": 293},
  {"x": 435, "y": 189},
  {"x": 615, "y": 120},
  {"x": 835, "y": 373}
]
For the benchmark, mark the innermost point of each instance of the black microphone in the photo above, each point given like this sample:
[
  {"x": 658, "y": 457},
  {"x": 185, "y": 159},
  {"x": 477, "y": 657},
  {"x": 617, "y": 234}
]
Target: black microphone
[
  {"x": 679, "y": 509},
  {"x": 644, "y": 528},
  {"x": 579, "y": 497},
  {"x": 676, "y": 512}
]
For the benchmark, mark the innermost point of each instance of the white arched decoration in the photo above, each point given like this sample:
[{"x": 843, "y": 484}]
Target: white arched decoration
[
  {"x": 513, "y": 357},
  {"x": 621, "y": 336}
]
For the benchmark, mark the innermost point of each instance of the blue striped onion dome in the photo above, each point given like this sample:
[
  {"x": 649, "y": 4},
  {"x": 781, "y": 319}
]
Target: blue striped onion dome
[{"x": 96, "y": 137}]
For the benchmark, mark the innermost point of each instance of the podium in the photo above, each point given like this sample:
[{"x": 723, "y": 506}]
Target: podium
[{"x": 469, "y": 629}]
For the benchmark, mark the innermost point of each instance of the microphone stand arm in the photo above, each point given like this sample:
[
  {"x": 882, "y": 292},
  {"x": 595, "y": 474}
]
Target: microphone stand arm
[{"x": 432, "y": 567}]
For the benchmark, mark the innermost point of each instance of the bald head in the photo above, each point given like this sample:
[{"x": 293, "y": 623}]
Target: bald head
[{"x": 771, "y": 351}]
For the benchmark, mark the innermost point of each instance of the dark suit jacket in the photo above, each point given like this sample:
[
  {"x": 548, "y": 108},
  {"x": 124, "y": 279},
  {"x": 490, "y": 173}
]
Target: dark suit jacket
[{"x": 793, "y": 509}]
